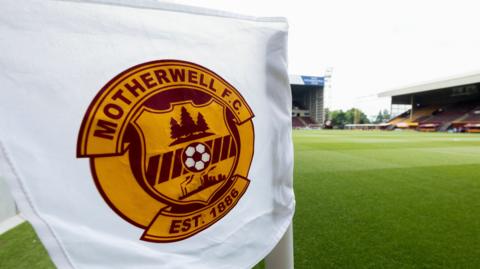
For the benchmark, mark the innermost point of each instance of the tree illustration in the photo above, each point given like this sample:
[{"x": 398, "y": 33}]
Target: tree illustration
[
  {"x": 175, "y": 129},
  {"x": 201, "y": 123},
  {"x": 188, "y": 125}
]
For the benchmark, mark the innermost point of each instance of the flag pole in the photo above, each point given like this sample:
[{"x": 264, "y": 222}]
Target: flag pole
[{"x": 281, "y": 256}]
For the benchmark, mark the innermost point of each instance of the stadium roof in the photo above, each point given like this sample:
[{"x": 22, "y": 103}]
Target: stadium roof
[
  {"x": 434, "y": 85},
  {"x": 306, "y": 80}
]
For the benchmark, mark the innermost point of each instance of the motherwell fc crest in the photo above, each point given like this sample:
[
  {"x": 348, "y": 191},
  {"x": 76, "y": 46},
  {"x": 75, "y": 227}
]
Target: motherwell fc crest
[{"x": 170, "y": 145}]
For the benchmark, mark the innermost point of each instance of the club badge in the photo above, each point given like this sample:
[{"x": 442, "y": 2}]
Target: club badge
[{"x": 170, "y": 145}]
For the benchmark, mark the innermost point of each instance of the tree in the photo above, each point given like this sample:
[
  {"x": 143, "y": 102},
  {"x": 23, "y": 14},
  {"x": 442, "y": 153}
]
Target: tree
[
  {"x": 201, "y": 123},
  {"x": 356, "y": 116},
  {"x": 338, "y": 119},
  {"x": 386, "y": 115},
  {"x": 383, "y": 116},
  {"x": 175, "y": 129},
  {"x": 379, "y": 118},
  {"x": 188, "y": 125},
  {"x": 352, "y": 116}
]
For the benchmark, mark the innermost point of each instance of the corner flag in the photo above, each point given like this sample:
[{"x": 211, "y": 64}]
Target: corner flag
[{"x": 146, "y": 135}]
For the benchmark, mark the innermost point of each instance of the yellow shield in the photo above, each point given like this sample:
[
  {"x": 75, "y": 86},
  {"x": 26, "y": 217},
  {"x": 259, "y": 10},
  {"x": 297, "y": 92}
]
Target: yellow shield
[{"x": 166, "y": 167}]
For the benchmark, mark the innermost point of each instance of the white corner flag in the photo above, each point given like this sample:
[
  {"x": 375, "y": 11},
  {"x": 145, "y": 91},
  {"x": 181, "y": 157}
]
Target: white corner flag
[{"x": 139, "y": 134}]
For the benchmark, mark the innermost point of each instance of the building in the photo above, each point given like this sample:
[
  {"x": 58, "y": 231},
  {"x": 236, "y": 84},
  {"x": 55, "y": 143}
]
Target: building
[
  {"x": 450, "y": 104},
  {"x": 308, "y": 108}
]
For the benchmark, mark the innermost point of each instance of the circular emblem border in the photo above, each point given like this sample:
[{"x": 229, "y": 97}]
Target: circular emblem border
[{"x": 100, "y": 139}]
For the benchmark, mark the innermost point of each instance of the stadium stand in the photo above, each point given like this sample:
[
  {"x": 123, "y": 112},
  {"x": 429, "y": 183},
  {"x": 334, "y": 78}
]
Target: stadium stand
[
  {"x": 446, "y": 105},
  {"x": 307, "y": 101},
  {"x": 392, "y": 124},
  {"x": 308, "y": 120},
  {"x": 472, "y": 127},
  {"x": 473, "y": 116},
  {"x": 434, "y": 118},
  {"x": 442, "y": 118},
  {"x": 412, "y": 120},
  {"x": 298, "y": 123},
  {"x": 469, "y": 122}
]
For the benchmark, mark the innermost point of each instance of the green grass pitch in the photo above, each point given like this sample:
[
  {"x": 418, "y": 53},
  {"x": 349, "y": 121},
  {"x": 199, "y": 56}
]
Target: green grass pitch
[{"x": 364, "y": 200}]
